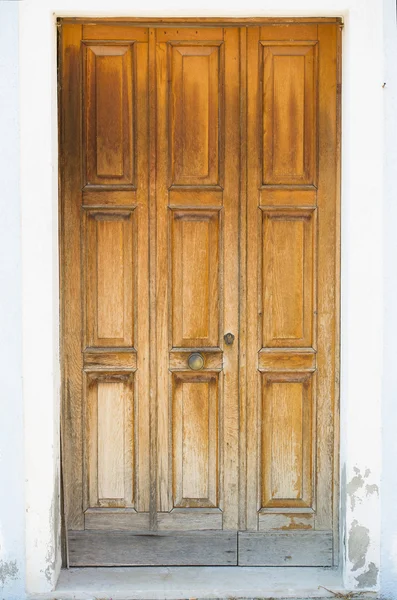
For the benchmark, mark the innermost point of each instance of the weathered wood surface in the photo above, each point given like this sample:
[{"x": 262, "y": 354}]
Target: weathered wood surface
[
  {"x": 294, "y": 549},
  {"x": 120, "y": 548}
]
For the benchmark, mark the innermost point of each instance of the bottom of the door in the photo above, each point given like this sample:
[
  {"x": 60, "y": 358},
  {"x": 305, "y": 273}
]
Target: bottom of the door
[
  {"x": 285, "y": 548},
  {"x": 200, "y": 548},
  {"x": 125, "y": 548}
]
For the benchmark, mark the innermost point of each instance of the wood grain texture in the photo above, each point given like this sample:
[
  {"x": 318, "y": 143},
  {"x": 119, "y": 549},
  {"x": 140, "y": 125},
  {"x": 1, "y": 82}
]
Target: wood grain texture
[
  {"x": 190, "y": 520},
  {"x": 109, "y": 278},
  {"x": 289, "y": 113},
  {"x": 109, "y": 439},
  {"x": 195, "y": 430},
  {"x": 328, "y": 278},
  {"x": 195, "y": 238},
  {"x": 287, "y": 440},
  {"x": 71, "y": 284},
  {"x": 292, "y": 548},
  {"x": 122, "y": 548},
  {"x": 195, "y": 89},
  {"x": 291, "y": 359},
  {"x": 110, "y": 519},
  {"x": 292, "y": 521},
  {"x": 200, "y": 196},
  {"x": 288, "y": 277},
  {"x": 105, "y": 31},
  {"x": 296, "y": 279},
  {"x": 230, "y": 415},
  {"x": 108, "y": 110}
]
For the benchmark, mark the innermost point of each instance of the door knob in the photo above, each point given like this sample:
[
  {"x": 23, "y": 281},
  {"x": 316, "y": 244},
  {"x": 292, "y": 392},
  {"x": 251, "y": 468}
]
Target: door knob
[
  {"x": 196, "y": 361},
  {"x": 229, "y": 338}
]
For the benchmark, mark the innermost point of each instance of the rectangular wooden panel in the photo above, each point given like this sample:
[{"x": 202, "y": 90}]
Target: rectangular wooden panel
[
  {"x": 288, "y": 278},
  {"x": 287, "y": 548},
  {"x": 288, "y": 196},
  {"x": 97, "y": 359},
  {"x": 195, "y": 438},
  {"x": 169, "y": 34},
  {"x": 213, "y": 360},
  {"x": 108, "y": 114},
  {"x": 196, "y": 197},
  {"x": 106, "y": 31},
  {"x": 190, "y": 520},
  {"x": 270, "y": 359},
  {"x": 289, "y": 113},
  {"x": 106, "y": 197},
  {"x": 109, "y": 440},
  {"x": 287, "y": 440},
  {"x": 289, "y": 31},
  {"x": 195, "y": 103},
  {"x": 125, "y": 548},
  {"x": 109, "y": 519},
  {"x": 290, "y": 521},
  {"x": 195, "y": 277},
  {"x": 109, "y": 278}
]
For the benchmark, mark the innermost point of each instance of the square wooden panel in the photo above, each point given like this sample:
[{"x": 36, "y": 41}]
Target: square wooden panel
[
  {"x": 289, "y": 113},
  {"x": 287, "y": 447},
  {"x": 108, "y": 103}
]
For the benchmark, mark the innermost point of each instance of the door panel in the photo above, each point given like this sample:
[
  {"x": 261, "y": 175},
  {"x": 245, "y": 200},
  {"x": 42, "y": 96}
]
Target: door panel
[
  {"x": 292, "y": 320},
  {"x": 197, "y": 214},
  {"x": 289, "y": 112},
  {"x": 195, "y": 424},
  {"x": 195, "y": 239},
  {"x": 288, "y": 259},
  {"x": 109, "y": 126},
  {"x": 199, "y": 261}
]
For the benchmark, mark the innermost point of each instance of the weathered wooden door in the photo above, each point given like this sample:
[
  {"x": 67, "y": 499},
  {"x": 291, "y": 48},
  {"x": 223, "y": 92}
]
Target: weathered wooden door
[{"x": 199, "y": 245}]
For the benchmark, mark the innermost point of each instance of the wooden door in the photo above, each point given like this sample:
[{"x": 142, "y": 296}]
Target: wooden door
[{"x": 199, "y": 245}]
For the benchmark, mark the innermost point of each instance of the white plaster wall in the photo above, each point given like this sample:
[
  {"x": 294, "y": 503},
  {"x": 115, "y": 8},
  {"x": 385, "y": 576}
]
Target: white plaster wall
[
  {"x": 362, "y": 269},
  {"x": 389, "y": 408},
  {"x": 12, "y": 543}
]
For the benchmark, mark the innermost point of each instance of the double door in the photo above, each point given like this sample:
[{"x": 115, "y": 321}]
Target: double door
[{"x": 199, "y": 261}]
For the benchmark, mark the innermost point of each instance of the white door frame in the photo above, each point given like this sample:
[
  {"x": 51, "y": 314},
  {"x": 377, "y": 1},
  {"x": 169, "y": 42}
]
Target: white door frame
[{"x": 361, "y": 282}]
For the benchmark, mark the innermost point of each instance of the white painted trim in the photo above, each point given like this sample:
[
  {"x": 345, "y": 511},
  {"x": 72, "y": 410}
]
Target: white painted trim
[{"x": 362, "y": 293}]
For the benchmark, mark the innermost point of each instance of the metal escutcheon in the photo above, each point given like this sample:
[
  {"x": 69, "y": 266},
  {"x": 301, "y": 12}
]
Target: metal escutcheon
[
  {"x": 229, "y": 338},
  {"x": 196, "y": 361}
]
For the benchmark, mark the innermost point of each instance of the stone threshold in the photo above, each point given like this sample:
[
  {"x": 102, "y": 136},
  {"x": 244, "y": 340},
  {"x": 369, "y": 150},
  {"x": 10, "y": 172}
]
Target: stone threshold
[{"x": 199, "y": 583}]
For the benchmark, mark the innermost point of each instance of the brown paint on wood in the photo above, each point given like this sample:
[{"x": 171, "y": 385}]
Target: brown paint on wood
[{"x": 200, "y": 198}]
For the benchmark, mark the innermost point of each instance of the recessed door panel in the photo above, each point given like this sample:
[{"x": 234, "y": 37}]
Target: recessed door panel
[
  {"x": 195, "y": 115},
  {"x": 195, "y": 278},
  {"x": 288, "y": 278},
  {"x": 195, "y": 440},
  {"x": 109, "y": 440},
  {"x": 287, "y": 440},
  {"x": 108, "y": 110},
  {"x": 289, "y": 113},
  {"x": 109, "y": 277}
]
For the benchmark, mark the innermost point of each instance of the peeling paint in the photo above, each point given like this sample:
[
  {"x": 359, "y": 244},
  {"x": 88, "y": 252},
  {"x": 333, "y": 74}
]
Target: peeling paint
[
  {"x": 353, "y": 486},
  {"x": 8, "y": 570},
  {"x": 371, "y": 489},
  {"x": 358, "y": 545},
  {"x": 369, "y": 578}
]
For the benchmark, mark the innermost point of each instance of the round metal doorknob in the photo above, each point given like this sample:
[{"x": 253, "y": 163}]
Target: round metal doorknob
[{"x": 196, "y": 361}]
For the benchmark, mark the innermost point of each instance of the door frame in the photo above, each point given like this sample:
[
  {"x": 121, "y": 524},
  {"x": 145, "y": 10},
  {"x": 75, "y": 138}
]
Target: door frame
[
  {"x": 68, "y": 185},
  {"x": 32, "y": 226}
]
